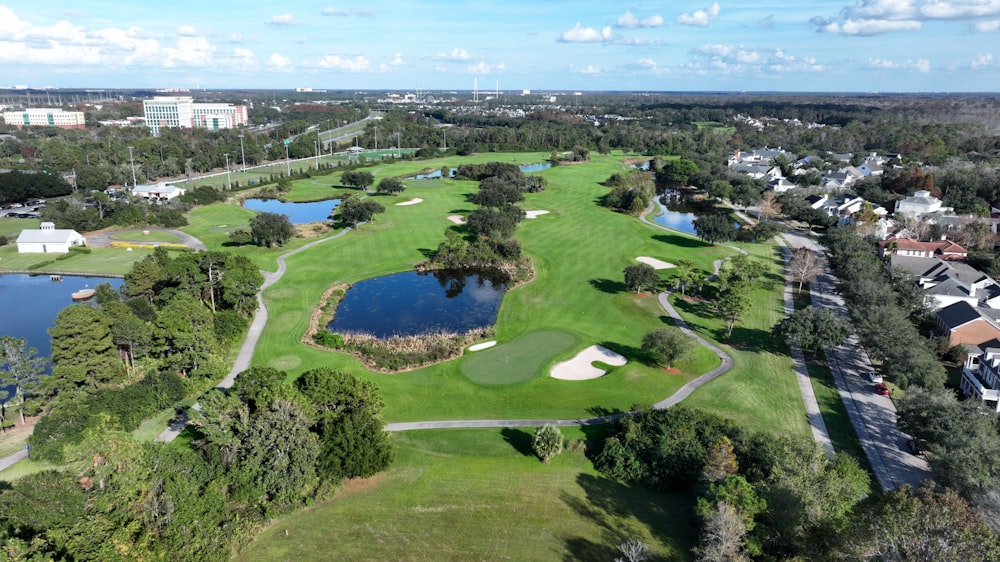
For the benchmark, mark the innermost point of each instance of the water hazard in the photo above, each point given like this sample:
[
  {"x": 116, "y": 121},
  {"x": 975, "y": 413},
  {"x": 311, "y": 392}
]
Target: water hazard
[{"x": 297, "y": 213}]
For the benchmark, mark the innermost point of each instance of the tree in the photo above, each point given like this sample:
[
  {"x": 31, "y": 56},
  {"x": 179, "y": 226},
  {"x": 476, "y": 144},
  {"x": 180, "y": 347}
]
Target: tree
[
  {"x": 686, "y": 274},
  {"x": 271, "y": 229},
  {"x": 769, "y": 207},
  {"x": 714, "y": 228},
  {"x": 84, "y": 355},
  {"x": 278, "y": 459},
  {"x": 495, "y": 223},
  {"x": 640, "y": 276},
  {"x": 733, "y": 303},
  {"x": 720, "y": 461},
  {"x": 813, "y": 328},
  {"x": 354, "y": 211},
  {"x": 722, "y": 536},
  {"x": 634, "y": 551},
  {"x": 358, "y": 179},
  {"x": 675, "y": 173},
  {"x": 667, "y": 346},
  {"x": 977, "y": 235},
  {"x": 21, "y": 369},
  {"x": 804, "y": 266},
  {"x": 547, "y": 442},
  {"x": 390, "y": 185}
]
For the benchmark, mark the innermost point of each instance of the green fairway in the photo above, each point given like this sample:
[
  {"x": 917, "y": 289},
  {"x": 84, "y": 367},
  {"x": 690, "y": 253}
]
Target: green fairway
[
  {"x": 579, "y": 251},
  {"x": 142, "y": 236},
  {"x": 116, "y": 261},
  {"x": 518, "y": 360},
  {"x": 11, "y": 228},
  {"x": 479, "y": 495}
]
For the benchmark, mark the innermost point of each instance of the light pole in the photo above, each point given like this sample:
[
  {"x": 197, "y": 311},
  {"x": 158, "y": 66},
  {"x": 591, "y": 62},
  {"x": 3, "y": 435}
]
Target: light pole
[
  {"x": 376, "y": 137},
  {"x": 132, "y": 162},
  {"x": 243, "y": 155},
  {"x": 399, "y": 147},
  {"x": 229, "y": 177},
  {"x": 288, "y": 164},
  {"x": 316, "y": 142}
]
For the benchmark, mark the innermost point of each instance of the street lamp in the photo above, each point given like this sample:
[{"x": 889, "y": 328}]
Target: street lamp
[
  {"x": 288, "y": 164},
  {"x": 132, "y": 162},
  {"x": 229, "y": 177},
  {"x": 243, "y": 155},
  {"x": 316, "y": 142}
]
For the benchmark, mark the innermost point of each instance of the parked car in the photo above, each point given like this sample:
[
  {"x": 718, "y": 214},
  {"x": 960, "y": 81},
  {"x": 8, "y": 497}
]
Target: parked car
[
  {"x": 882, "y": 389},
  {"x": 914, "y": 446},
  {"x": 875, "y": 377}
]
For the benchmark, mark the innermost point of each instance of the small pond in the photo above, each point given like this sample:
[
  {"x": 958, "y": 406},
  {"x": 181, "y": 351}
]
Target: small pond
[
  {"x": 412, "y": 303},
  {"x": 298, "y": 213},
  {"x": 30, "y": 304},
  {"x": 643, "y": 166},
  {"x": 436, "y": 174},
  {"x": 535, "y": 167},
  {"x": 677, "y": 220}
]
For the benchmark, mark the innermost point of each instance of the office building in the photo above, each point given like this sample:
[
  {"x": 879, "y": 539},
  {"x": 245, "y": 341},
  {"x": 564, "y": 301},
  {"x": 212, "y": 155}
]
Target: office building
[
  {"x": 45, "y": 117},
  {"x": 181, "y": 111}
]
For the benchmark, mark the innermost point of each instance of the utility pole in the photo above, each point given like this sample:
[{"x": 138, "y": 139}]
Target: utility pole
[
  {"x": 288, "y": 164},
  {"x": 399, "y": 149},
  {"x": 243, "y": 155},
  {"x": 132, "y": 162},
  {"x": 376, "y": 137},
  {"x": 229, "y": 177},
  {"x": 316, "y": 142}
]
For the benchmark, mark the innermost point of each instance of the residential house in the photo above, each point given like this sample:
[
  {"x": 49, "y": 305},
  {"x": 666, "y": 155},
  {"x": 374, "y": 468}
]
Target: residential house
[
  {"x": 48, "y": 240},
  {"x": 964, "y": 324},
  {"x": 159, "y": 192},
  {"x": 947, "y": 282},
  {"x": 944, "y": 249},
  {"x": 781, "y": 185},
  {"x": 981, "y": 374},
  {"x": 919, "y": 204}
]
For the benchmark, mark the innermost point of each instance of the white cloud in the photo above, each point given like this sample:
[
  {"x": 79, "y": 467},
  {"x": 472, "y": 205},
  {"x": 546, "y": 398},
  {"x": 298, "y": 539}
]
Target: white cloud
[
  {"x": 485, "y": 68},
  {"x": 700, "y": 18},
  {"x": 279, "y": 62},
  {"x": 235, "y": 38},
  {"x": 986, "y": 26},
  {"x": 739, "y": 59},
  {"x": 919, "y": 65},
  {"x": 589, "y": 69},
  {"x": 189, "y": 51},
  {"x": 872, "y": 17},
  {"x": 186, "y": 31},
  {"x": 282, "y": 19},
  {"x": 397, "y": 59},
  {"x": 982, "y": 60},
  {"x": 730, "y": 53},
  {"x": 336, "y": 62},
  {"x": 456, "y": 54},
  {"x": 332, "y": 11},
  {"x": 629, "y": 20},
  {"x": 580, "y": 34}
]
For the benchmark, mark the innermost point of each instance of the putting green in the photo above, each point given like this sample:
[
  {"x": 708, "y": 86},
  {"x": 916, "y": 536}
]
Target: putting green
[{"x": 518, "y": 360}]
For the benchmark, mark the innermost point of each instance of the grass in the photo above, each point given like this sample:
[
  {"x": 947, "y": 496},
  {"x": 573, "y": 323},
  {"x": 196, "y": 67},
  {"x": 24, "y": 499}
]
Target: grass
[
  {"x": 140, "y": 236},
  {"x": 760, "y": 392},
  {"x": 579, "y": 251},
  {"x": 99, "y": 261},
  {"x": 11, "y": 228},
  {"x": 25, "y": 468},
  {"x": 831, "y": 406},
  {"x": 480, "y": 495},
  {"x": 531, "y": 352}
]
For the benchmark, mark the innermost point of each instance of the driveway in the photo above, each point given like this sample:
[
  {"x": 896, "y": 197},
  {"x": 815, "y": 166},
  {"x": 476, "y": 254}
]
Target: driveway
[
  {"x": 873, "y": 416},
  {"x": 102, "y": 238}
]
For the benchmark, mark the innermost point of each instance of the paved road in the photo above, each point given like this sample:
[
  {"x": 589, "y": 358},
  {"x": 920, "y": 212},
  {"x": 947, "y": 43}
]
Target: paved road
[
  {"x": 10, "y": 460},
  {"x": 873, "y": 416}
]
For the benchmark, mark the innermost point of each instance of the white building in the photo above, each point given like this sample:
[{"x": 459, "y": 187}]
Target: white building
[
  {"x": 47, "y": 240},
  {"x": 45, "y": 117},
  {"x": 181, "y": 111},
  {"x": 920, "y": 203},
  {"x": 161, "y": 191}
]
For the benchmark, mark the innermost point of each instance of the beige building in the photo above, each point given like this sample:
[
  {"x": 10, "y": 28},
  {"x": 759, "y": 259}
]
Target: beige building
[
  {"x": 45, "y": 117},
  {"x": 182, "y": 112}
]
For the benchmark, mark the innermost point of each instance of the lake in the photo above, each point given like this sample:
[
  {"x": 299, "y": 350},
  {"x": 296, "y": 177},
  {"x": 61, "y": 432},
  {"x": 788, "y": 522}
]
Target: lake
[
  {"x": 412, "y": 303},
  {"x": 297, "y": 213},
  {"x": 676, "y": 220},
  {"x": 30, "y": 304}
]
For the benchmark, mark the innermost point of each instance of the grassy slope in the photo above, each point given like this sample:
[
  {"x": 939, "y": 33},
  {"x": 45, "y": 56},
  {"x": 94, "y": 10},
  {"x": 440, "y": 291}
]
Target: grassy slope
[
  {"x": 579, "y": 251},
  {"x": 477, "y": 495}
]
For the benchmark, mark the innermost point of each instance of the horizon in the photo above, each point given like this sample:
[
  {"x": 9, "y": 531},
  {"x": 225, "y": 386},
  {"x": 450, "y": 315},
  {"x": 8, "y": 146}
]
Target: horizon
[{"x": 827, "y": 46}]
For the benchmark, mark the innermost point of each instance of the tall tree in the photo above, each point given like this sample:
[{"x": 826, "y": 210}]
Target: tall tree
[
  {"x": 814, "y": 328},
  {"x": 722, "y": 536},
  {"x": 733, "y": 303},
  {"x": 715, "y": 228},
  {"x": 390, "y": 185},
  {"x": 547, "y": 442},
  {"x": 641, "y": 276},
  {"x": 271, "y": 229},
  {"x": 804, "y": 266},
  {"x": 667, "y": 345},
  {"x": 84, "y": 355},
  {"x": 22, "y": 370}
]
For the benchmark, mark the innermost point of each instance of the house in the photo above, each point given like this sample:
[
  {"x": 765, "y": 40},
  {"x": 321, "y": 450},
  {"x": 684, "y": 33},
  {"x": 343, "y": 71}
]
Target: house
[
  {"x": 781, "y": 185},
  {"x": 947, "y": 282},
  {"x": 918, "y": 204},
  {"x": 48, "y": 240},
  {"x": 981, "y": 374},
  {"x": 816, "y": 201},
  {"x": 944, "y": 249},
  {"x": 965, "y": 324},
  {"x": 842, "y": 207},
  {"x": 161, "y": 191}
]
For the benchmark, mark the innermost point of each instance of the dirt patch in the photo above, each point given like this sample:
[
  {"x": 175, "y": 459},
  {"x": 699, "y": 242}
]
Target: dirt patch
[
  {"x": 17, "y": 432},
  {"x": 359, "y": 485},
  {"x": 671, "y": 370}
]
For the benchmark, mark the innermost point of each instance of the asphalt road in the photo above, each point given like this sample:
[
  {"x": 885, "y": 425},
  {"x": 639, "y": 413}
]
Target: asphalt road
[{"x": 873, "y": 416}]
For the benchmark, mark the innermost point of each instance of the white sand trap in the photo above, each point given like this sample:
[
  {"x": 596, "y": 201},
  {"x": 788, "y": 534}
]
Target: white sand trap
[
  {"x": 657, "y": 264},
  {"x": 482, "y": 346},
  {"x": 579, "y": 368},
  {"x": 457, "y": 219},
  {"x": 413, "y": 201},
  {"x": 535, "y": 214}
]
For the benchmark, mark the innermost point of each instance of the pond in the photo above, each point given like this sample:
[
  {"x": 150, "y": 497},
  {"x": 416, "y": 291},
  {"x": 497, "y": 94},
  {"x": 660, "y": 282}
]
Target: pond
[
  {"x": 413, "y": 303},
  {"x": 677, "y": 220},
  {"x": 30, "y": 304},
  {"x": 523, "y": 167},
  {"x": 298, "y": 213},
  {"x": 526, "y": 168}
]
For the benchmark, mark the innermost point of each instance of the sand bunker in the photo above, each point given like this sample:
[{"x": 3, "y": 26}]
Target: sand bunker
[
  {"x": 535, "y": 214},
  {"x": 657, "y": 264},
  {"x": 457, "y": 219},
  {"x": 579, "y": 368},
  {"x": 482, "y": 346},
  {"x": 413, "y": 201}
]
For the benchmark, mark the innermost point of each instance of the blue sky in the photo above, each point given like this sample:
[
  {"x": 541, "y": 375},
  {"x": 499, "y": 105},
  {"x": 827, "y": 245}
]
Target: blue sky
[{"x": 793, "y": 45}]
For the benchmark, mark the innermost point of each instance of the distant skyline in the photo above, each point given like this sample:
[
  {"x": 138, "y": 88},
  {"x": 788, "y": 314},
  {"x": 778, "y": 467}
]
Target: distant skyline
[{"x": 768, "y": 45}]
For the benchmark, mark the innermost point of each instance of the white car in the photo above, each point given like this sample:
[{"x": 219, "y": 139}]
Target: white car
[{"x": 875, "y": 377}]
